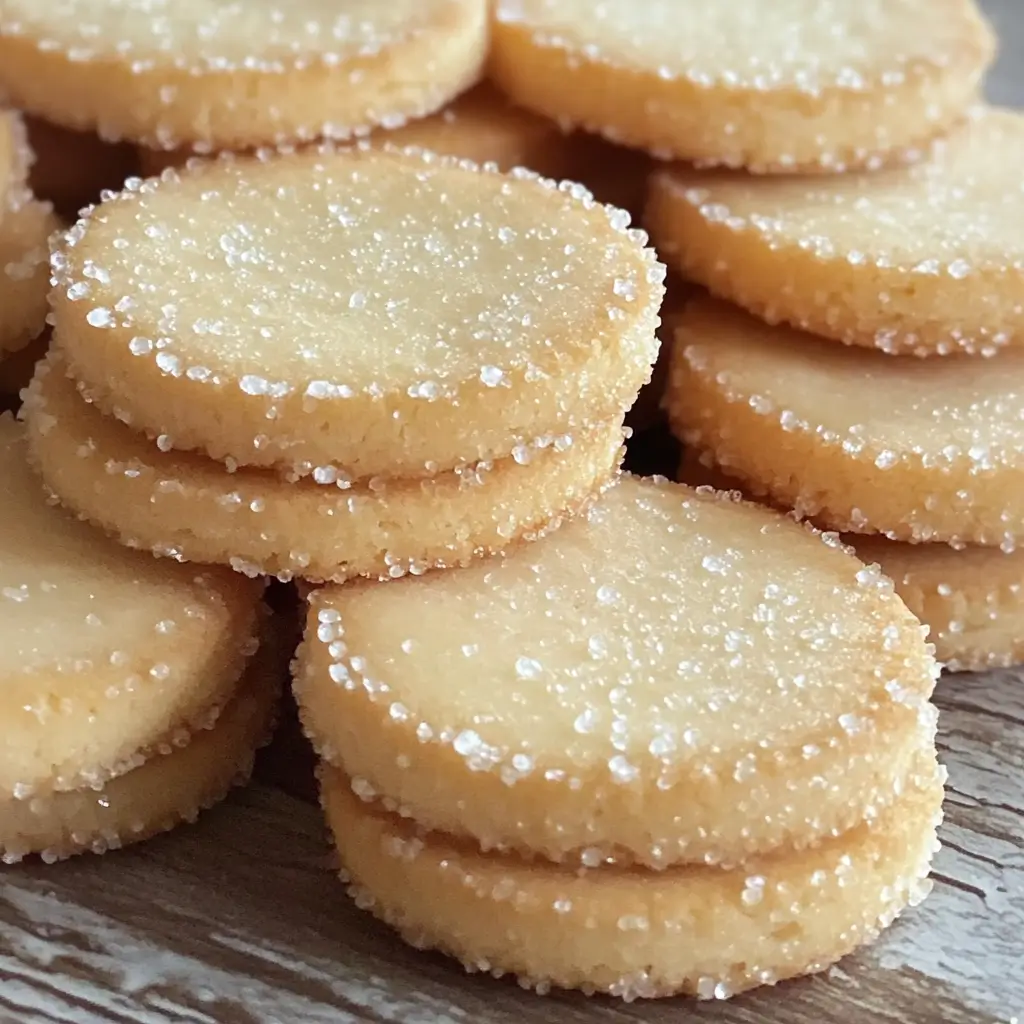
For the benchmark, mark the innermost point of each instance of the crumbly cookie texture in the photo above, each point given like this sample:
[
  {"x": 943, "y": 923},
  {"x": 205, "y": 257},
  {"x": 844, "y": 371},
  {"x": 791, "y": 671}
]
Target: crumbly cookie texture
[
  {"x": 188, "y": 507},
  {"x": 224, "y": 74},
  {"x": 188, "y": 773},
  {"x": 671, "y": 677},
  {"x": 698, "y": 930},
  {"x": 25, "y": 228},
  {"x": 144, "y": 648},
  {"x": 858, "y": 441},
  {"x": 794, "y": 85},
  {"x": 362, "y": 312},
  {"x": 923, "y": 260}
]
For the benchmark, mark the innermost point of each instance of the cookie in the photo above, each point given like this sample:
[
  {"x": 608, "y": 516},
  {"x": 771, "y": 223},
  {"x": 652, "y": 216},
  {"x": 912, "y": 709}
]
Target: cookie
[
  {"x": 481, "y": 125},
  {"x": 105, "y": 654},
  {"x": 922, "y": 260},
  {"x": 671, "y": 677},
  {"x": 71, "y": 169},
  {"x": 699, "y": 930},
  {"x": 191, "y": 508},
  {"x": 971, "y": 599},
  {"x": 857, "y": 440},
  {"x": 25, "y": 228},
  {"x": 369, "y": 312},
  {"x": 215, "y": 75},
  {"x": 15, "y": 153},
  {"x": 794, "y": 85},
  {"x": 186, "y": 775}
]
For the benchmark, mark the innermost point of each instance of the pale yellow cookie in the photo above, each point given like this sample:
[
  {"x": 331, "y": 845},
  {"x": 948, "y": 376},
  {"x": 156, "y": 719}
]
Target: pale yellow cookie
[
  {"x": 15, "y": 156},
  {"x": 699, "y": 930},
  {"x": 191, "y": 508},
  {"x": 190, "y": 773},
  {"x": 71, "y": 169},
  {"x": 780, "y": 86},
  {"x": 229, "y": 75},
  {"x": 374, "y": 312},
  {"x": 971, "y": 599},
  {"x": 104, "y": 652},
  {"x": 859, "y": 441},
  {"x": 669, "y": 677},
  {"x": 926, "y": 259},
  {"x": 25, "y": 228}
]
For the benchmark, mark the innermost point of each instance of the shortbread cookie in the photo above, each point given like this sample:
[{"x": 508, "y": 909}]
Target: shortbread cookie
[
  {"x": 480, "y": 125},
  {"x": 104, "y": 653},
  {"x": 795, "y": 84},
  {"x": 372, "y": 312},
  {"x": 971, "y": 599},
  {"x": 226, "y": 75},
  {"x": 25, "y": 228},
  {"x": 920, "y": 450},
  {"x": 188, "y": 774},
  {"x": 670, "y": 677},
  {"x": 699, "y": 929},
  {"x": 71, "y": 169},
  {"x": 926, "y": 260},
  {"x": 191, "y": 508},
  {"x": 15, "y": 155}
]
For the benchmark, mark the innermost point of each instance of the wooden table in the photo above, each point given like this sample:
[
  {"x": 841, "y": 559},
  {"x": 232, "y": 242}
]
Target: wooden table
[{"x": 240, "y": 918}]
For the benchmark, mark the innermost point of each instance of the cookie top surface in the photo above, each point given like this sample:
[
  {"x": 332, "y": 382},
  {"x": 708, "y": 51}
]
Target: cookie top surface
[
  {"x": 217, "y": 36},
  {"x": 926, "y": 449},
  {"x": 335, "y": 307},
  {"x": 665, "y": 639},
  {"x": 921, "y": 258},
  {"x": 805, "y": 45},
  {"x": 103, "y": 651}
]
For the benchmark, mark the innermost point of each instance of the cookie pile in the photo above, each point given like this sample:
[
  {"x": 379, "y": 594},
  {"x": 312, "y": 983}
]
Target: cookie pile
[
  {"x": 658, "y": 751},
  {"x": 133, "y": 696},
  {"x": 908, "y": 435},
  {"x": 25, "y": 226}
]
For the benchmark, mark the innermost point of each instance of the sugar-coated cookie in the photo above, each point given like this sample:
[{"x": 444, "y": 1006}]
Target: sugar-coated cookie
[
  {"x": 699, "y": 929},
  {"x": 230, "y": 75},
  {"x": 190, "y": 772},
  {"x": 790, "y": 85},
  {"x": 371, "y": 312},
  {"x": 970, "y": 598},
  {"x": 927, "y": 259},
  {"x": 25, "y": 228},
  {"x": 105, "y": 653},
  {"x": 670, "y": 677},
  {"x": 71, "y": 169},
  {"x": 189, "y": 507},
  {"x": 860, "y": 441},
  {"x": 15, "y": 153}
]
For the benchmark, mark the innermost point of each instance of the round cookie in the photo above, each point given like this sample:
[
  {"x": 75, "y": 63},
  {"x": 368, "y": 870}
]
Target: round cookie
[
  {"x": 72, "y": 169},
  {"x": 104, "y": 653},
  {"x": 188, "y": 774},
  {"x": 972, "y": 599},
  {"x": 15, "y": 155},
  {"x": 699, "y": 929},
  {"x": 25, "y": 229},
  {"x": 863, "y": 442},
  {"x": 226, "y": 75},
  {"x": 794, "y": 85},
  {"x": 670, "y": 677},
  {"x": 378, "y": 312},
  {"x": 925, "y": 259},
  {"x": 481, "y": 126},
  {"x": 191, "y": 508}
]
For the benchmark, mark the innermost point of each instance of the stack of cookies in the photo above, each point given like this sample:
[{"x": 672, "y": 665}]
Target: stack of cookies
[
  {"x": 888, "y": 402},
  {"x": 660, "y": 750},
  {"x": 133, "y": 696},
  {"x": 25, "y": 226},
  {"x": 335, "y": 364}
]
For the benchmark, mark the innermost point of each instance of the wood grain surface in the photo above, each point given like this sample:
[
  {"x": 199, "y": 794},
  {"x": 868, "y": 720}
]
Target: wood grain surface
[{"x": 240, "y": 918}]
